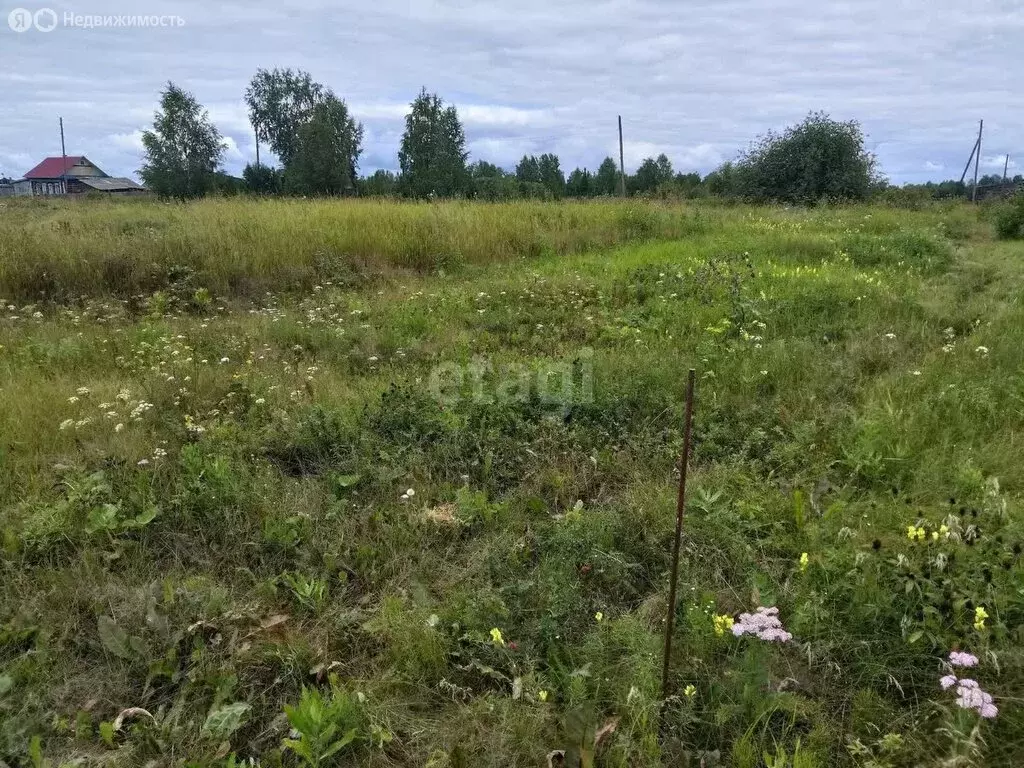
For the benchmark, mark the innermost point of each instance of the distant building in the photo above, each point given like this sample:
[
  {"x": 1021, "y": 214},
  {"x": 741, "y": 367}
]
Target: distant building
[
  {"x": 72, "y": 175},
  {"x": 6, "y": 187}
]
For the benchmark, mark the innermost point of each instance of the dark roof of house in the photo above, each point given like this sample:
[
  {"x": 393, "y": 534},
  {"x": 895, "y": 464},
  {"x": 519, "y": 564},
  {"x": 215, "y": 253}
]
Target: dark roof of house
[
  {"x": 110, "y": 184},
  {"x": 53, "y": 167}
]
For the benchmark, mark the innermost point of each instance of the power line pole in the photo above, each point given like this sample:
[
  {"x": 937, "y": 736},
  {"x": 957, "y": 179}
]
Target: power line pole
[
  {"x": 256, "y": 132},
  {"x": 1006, "y": 164},
  {"x": 64, "y": 156},
  {"x": 977, "y": 159},
  {"x": 622, "y": 163},
  {"x": 970, "y": 160}
]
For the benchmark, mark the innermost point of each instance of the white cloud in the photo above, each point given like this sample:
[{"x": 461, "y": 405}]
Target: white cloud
[
  {"x": 380, "y": 111},
  {"x": 231, "y": 151},
  {"x": 933, "y": 166},
  {"x": 131, "y": 142},
  {"x": 497, "y": 115},
  {"x": 996, "y": 162}
]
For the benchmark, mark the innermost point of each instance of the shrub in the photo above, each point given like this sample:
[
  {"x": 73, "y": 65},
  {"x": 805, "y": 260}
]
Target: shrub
[
  {"x": 819, "y": 159},
  {"x": 1010, "y": 219}
]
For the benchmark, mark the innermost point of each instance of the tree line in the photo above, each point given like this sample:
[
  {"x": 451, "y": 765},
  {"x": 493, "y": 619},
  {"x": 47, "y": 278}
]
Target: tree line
[{"x": 318, "y": 145}]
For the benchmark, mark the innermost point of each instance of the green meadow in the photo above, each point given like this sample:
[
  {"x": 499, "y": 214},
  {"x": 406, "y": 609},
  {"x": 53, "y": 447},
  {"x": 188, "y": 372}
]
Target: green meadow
[{"x": 329, "y": 483}]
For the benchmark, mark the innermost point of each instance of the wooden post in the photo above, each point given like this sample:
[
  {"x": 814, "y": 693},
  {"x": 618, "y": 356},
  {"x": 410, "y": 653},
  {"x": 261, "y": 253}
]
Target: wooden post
[
  {"x": 64, "y": 165},
  {"x": 970, "y": 160},
  {"x": 622, "y": 163},
  {"x": 1006, "y": 164},
  {"x": 256, "y": 132},
  {"x": 977, "y": 159}
]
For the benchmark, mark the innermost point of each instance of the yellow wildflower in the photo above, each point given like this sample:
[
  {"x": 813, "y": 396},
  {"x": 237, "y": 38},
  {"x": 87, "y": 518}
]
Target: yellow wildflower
[
  {"x": 804, "y": 560},
  {"x": 915, "y": 533},
  {"x": 980, "y": 614},
  {"x": 496, "y": 637},
  {"x": 935, "y": 535},
  {"x": 542, "y": 695},
  {"x": 723, "y": 624},
  {"x": 599, "y": 616},
  {"x": 689, "y": 692},
  {"x": 944, "y": 529}
]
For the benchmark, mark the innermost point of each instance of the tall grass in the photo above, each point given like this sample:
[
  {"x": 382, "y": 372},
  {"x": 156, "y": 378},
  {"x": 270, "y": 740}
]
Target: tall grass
[{"x": 56, "y": 250}]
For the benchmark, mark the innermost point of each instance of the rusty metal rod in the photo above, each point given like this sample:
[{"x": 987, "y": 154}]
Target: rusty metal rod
[{"x": 680, "y": 514}]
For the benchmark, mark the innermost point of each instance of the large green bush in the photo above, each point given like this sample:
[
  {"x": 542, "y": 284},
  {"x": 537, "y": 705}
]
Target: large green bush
[
  {"x": 1010, "y": 219},
  {"x": 819, "y": 159}
]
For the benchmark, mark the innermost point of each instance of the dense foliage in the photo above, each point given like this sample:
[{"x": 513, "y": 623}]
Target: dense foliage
[
  {"x": 433, "y": 154},
  {"x": 1010, "y": 218},
  {"x": 183, "y": 150},
  {"x": 818, "y": 159},
  {"x": 327, "y": 154}
]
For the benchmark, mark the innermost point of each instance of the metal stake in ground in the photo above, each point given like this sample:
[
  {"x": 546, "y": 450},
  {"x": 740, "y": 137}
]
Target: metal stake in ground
[{"x": 680, "y": 513}]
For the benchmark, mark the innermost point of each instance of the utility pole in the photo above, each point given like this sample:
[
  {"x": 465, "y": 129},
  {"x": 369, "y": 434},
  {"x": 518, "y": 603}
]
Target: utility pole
[
  {"x": 1006, "y": 164},
  {"x": 622, "y": 163},
  {"x": 977, "y": 159},
  {"x": 64, "y": 156},
  {"x": 970, "y": 160},
  {"x": 256, "y": 132}
]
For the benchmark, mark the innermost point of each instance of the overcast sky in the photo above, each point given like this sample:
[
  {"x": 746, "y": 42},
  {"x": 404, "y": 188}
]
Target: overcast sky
[{"x": 696, "y": 80}]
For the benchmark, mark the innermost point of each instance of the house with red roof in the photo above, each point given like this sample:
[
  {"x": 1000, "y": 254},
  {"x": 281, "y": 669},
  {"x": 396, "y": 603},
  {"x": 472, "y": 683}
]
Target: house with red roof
[{"x": 72, "y": 175}]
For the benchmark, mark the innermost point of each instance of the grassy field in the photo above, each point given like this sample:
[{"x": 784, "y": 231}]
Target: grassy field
[{"x": 348, "y": 483}]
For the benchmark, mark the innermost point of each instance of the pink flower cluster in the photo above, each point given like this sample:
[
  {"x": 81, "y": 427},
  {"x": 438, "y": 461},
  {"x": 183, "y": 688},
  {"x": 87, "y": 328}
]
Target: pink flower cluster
[
  {"x": 763, "y": 624},
  {"x": 961, "y": 659},
  {"x": 969, "y": 694}
]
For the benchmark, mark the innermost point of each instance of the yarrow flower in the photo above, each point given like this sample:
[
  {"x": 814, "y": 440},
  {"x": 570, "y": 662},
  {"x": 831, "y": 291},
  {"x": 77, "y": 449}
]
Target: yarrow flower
[
  {"x": 970, "y": 696},
  {"x": 723, "y": 624},
  {"x": 962, "y": 659},
  {"x": 764, "y": 624}
]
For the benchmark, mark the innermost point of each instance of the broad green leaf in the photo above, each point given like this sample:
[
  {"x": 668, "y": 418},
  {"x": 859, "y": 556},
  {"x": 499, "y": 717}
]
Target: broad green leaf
[
  {"x": 107, "y": 733},
  {"x": 102, "y": 518},
  {"x": 114, "y": 639},
  {"x": 144, "y": 518},
  {"x": 225, "y": 720},
  {"x": 347, "y": 481}
]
